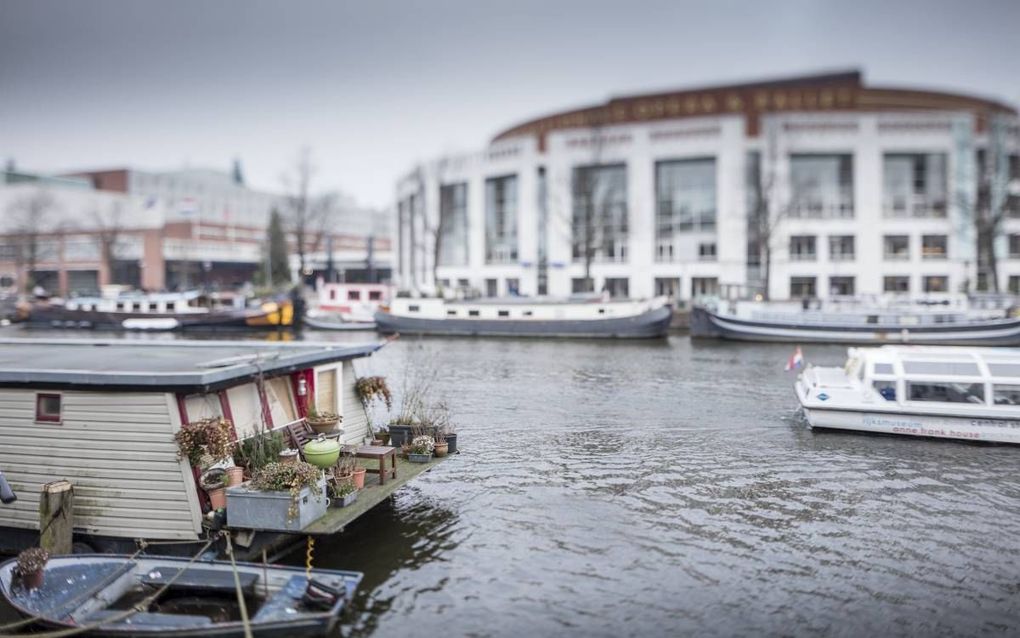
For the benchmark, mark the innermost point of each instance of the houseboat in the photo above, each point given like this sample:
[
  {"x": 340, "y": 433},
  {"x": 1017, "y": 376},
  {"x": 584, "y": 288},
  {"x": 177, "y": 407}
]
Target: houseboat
[
  {"x": 971, "y": 394},
  {"x": 103, "y": 415},
  {"x": 349, "y": 303},
  {"x": 160, "y": 311},
  {"x": 944, "y": 320},
  {"x": 526, "y": 317}
]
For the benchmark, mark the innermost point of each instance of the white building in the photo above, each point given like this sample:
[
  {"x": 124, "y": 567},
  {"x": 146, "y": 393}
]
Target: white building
[{"x": 869, "y": 190}]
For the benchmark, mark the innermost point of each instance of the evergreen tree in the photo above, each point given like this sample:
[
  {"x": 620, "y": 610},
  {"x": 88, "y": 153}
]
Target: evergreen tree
[{"x": 278, "y": 262}]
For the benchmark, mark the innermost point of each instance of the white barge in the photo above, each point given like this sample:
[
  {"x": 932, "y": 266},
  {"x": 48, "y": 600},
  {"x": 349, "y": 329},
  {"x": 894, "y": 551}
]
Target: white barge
[
  {"x": 103, "y": 415},
  {"x": 971, "y": 394},
  {"x": 526, "y": 317}
]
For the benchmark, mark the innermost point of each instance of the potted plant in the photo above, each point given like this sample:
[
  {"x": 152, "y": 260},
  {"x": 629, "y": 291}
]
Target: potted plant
[
  {"x": 383, "y": 435},
  {"x": 344, "y": 493},
  {"x": 442, "y": 448},
  {"x": 214, "y": 482},
  {"x": 279, "y": 497},
  {"x": 288, "y": 456},
  {"x": 258, "y": 451},
  {"x": 205, "y": 442},
  {"x": 358, "y": 476},
  {"x": 31, "y": 566},
  {"x": 420, "y": 450},
  {"x": 321, "y": 422}
]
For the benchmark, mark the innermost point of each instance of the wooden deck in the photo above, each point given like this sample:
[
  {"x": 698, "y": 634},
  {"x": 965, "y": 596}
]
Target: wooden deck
[{"x": 337, "y": 518}]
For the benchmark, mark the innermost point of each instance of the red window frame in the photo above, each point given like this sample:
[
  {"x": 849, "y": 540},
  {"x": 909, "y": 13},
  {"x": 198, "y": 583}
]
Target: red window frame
[{"x": 40, "y": 417}]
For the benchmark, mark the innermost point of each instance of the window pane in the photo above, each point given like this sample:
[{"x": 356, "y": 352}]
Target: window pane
[
  {"x": 1004, "y": 369},
  {"x": 946, "y": 392},
  {"x": 954, "y": 368},
  {"x": 1006, "y": 394}
]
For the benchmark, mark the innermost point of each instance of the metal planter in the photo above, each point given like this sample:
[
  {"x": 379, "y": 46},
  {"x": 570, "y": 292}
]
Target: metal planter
[{"x": 253, "y": 509}]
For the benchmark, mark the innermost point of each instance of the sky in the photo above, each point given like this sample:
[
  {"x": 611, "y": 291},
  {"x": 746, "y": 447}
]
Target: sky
[{"x": 372, "y": 87}]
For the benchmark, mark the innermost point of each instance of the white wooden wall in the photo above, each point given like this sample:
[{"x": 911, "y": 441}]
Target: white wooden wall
[{"x": 117, "y": 449}]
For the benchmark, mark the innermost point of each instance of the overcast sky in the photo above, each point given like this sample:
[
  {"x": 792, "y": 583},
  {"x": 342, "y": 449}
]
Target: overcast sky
[{"x": 373, "y": 86}]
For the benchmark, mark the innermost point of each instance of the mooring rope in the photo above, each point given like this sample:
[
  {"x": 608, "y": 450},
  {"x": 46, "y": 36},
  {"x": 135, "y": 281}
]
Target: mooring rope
[{"x": 237, "y": 587}]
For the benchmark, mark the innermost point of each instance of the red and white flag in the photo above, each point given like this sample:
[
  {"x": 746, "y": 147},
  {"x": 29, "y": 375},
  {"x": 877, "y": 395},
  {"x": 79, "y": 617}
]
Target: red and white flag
[{"x": 795, "y": 361}]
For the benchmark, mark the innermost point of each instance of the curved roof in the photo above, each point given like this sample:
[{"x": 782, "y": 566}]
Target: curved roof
[{"x": 843, "y": 91}]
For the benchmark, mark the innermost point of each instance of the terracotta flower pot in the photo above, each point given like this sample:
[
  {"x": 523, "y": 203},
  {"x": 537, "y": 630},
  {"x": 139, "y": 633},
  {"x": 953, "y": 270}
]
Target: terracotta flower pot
[
  {"x": 324, "y": 426},
  {"x": 33, "y": 580},
  {"x": 235, "y": 476},
  {"x": 384, "y": 437},
  {"x": 441, "y": 449},
  {"x": 359, "y": 478},
  {"x": 217, "y": 498}
]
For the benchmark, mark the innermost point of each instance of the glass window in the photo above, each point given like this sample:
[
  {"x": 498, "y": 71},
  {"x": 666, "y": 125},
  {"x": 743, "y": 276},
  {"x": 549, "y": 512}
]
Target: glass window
[
  {"x": 685, "y": 202},
  {"x": 802, "y": 248},
  {"x": 473, "y": 313},
  {"x": 841, "y": 286},
  {"x": 934, "y": 247},
  {"x": 599, "y": 221},
  {"x": 896, "y": 283},
  {"x": 841, "y": 248},
  {"x": 897, "y": 247},
  {"x": 883, "y": 368},
  {"x": 491, "y": 287},
  {"x": 886, "y": 388},
  {"x": 1014, "y": 245},
  {"x": 47, "y": 408},
  {"x": 914, "y": 185},
  {"x": 803, "y": 287},
  {"x": 503, "y": 313},
  {"x": 946, "y": 392},
  {"x": 1006, "y": 394},
  {"x": 954, "y": 368},
  {"x": 354, "y": 295},
  {"x": 1004, "y": 369},
  {"x": 936, "y": 283},
  {"x": 513, "y": 286},
  {"x": 704, "y": 286},
  {"x": 453, "y": 225},
  {"x": 376, "y": 295},
  {"x": 822, "y": 186},
  {"x": 413, "y": 308},
  {"x": 501, "y": 220},
  {"x": 617, "y": 287},
  {"x": 706, "y": 252}
]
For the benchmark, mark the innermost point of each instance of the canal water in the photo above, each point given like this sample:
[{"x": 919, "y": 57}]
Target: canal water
[
  {"x": 625, "y": 488},
  {"x": 670, "y": 487}
]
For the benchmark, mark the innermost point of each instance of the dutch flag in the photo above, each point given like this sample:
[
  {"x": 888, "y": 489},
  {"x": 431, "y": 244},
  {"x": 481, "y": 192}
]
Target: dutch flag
[{"x": 795, "y": 361}]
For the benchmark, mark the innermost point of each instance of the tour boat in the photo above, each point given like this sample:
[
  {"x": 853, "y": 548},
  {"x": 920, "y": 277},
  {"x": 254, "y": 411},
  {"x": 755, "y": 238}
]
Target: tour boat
[
  {"x": 159, "y": 311},
  {"x": 96, "y": 595},
  {"x": 351, "y": 302},
  {"x": 935, "y": 391},
  {"x": 945, "y": 320},
  {"x": 526, "y": 317}
]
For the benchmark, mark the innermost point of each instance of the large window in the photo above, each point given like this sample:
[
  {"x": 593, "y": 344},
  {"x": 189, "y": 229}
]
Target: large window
[
  {"x": 934, "y": 247},
  {"x": 803, "y": 287},
  {"x": 841, "y": 248},
  {"x": 946, "y": 392},
  {"x": 453, "y": 242},
  {"x": 822, "y": 186},
  {"x": 896, "y": 283},
  {"x": 802, "y": 248},
  {"x": 936, "y": 283},
  {"x": 600, "y": 213},
  {"x": 896, "y": 247},
  {"x": 685, "y": 202},
  {"x": 501, "y": 220},
  {"x": 841, "y": 286},
  {"x": 914, "y": 185}
]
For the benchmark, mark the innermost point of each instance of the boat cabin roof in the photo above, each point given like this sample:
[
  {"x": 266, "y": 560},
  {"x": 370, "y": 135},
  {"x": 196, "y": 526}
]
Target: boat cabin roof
[
  {"x": 942, "y": 361},
  {"x": 171, "y": 366}
]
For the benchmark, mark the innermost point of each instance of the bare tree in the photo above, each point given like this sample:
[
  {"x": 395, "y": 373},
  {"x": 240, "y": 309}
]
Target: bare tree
[
  {"x": 593, "y": 199},
  {"x": 438, "y": 230},
  {"x": 307, "y": 216},
  {"x": 109, "y": 229},
  {"x": 30, "y": 217},
  {"x": 996, "y": 196}
]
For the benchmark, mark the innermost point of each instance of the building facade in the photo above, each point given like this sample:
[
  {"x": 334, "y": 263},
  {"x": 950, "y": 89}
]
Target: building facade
[
  {"x": 165, "y": 231},
  {"x": 806, "y": 187}
]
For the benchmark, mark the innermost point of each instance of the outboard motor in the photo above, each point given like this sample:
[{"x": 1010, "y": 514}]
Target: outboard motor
[{"x": 7, "y": 495}]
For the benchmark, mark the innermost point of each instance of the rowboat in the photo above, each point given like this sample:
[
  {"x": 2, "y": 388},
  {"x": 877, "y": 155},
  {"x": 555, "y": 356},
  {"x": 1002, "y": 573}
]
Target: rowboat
[{"x": 97, "y": 594}]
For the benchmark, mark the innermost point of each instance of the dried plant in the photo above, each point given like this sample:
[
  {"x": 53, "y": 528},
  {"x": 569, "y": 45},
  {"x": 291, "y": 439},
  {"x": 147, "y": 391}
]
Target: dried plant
[
  {"x": 32, "y": 560},
  {"x": 288, "y": 477},
  {"x": 345, "y": 464},
  {"x": 210, "y": 437},
  {"x": 371, "y": 389},
  {"x": 340, "y": 489}
]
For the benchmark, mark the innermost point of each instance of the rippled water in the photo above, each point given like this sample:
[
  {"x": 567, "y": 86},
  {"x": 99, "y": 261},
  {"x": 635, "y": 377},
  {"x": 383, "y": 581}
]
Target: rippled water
[
  {"x": 624, "y": 488},
  {"x": 648, "y": 488}
]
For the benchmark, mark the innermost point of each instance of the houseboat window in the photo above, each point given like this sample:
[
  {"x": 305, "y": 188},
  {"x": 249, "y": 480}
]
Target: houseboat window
[
  {"x": 528, "y": 313},
  {"x": 413, "y": 308},
  {"x": 472, "y": 313},
  {"x": 120, "y": 305},
  {"x": 374, "y": 295},
  {"x": 503, "y": 313},
  {"x": 354, "y": 295},
  {"x": 451, "y": 313},
  {"x": 946, "y": 392},
  {"x": 137, "y": 306},
  {"x": 883, "y": 368},
  {"x": 952, "y": 368},
  {"x": 171, "y": 306},
  {"x": 1006, "y": 394},
  {"x": 1004, "y": 369},
  {"x": 886, "y": 388},
  {"x": 332, "y": 295},
  {"x": 47, "y": 408},
  {"x": 602, "y": 311},
  {"x": 153, "y": 306}
]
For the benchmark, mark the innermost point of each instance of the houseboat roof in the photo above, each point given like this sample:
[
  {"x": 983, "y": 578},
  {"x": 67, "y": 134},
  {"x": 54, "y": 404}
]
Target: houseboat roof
[{"x": 173, "y": 366}]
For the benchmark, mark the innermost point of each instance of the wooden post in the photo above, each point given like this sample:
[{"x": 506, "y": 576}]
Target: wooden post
[{"x": 56, "y": 517}]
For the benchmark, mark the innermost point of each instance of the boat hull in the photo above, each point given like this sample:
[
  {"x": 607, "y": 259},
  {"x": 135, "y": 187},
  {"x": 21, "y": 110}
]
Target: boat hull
[
  {"x": 923, "y": 425},
  {"x": 999, "y": 332},
  {"x": 651, "y": 324},
  {"x": 56, "y": 317}
]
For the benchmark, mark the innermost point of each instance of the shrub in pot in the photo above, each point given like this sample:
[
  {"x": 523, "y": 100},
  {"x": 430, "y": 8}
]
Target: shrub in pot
[
  {"x": 31, "y": 566},
  {"x": 288, "y": 477},
  {"x": 214, "y": 482},
  {"x": 343, "y": 493},
  {"x": 205, "y": 442},
  {"x": 420, "y": 450}
]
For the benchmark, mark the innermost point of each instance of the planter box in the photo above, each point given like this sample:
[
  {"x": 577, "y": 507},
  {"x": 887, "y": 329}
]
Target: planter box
[
  {"x": 345, "y": 501},
  {"x": 418, "y": 458},
  {"x": 400, "y": 434},
  {"x": 252, "y": 509}
]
